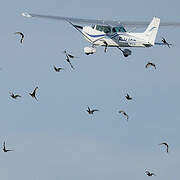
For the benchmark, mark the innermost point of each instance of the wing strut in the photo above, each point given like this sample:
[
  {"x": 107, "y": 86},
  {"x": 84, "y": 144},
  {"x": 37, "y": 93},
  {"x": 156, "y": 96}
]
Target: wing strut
[{"x": 76, "y": 27}]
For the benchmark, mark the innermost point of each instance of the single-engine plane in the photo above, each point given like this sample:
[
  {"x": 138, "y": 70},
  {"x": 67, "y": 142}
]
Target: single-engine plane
[{"x": 112, "y": 33}]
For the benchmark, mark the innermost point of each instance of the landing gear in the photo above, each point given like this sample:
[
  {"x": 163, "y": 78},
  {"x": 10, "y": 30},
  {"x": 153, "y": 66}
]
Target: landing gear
[
  {"x": 89, "y": 50},
  {"x": 126, "y": 52}
]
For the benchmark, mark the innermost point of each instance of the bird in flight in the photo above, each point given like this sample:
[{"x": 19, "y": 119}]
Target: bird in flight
[
  {"x": 4, "y": 148},
  {"x": 128, "y": 97},
  {"x": 22, "y": 36},
  {"x": 69, "y": 55},
  {"x": 149, "y": 173},
  {"x": 125, "y": 114},
  {"x": 14, "y": 96},
  {"x": 68, "y": 60},
  {"x": 106, "y": 46},
  {"x": 150, "y": 64},
  {"x": 58, "y": 69},
  {"x": 33, "y": 94},
  {"x": 167, "y": 146},
  {"x": 91, "y": 111},
  {"x": 165, "y": 42}
]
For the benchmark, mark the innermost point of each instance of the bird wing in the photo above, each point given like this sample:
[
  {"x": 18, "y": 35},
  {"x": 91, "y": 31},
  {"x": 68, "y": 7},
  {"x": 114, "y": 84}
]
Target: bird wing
[
  {"x": 126, "y": 116},
  {"x": 9, "y": 150},
  {"x": 71, "y": 64},
  {"x": 55, "y": 68},
  {"x": 35, "y": 89},
  {"x": 71, "y": 56},
  {"x": 167, "y": 146},
  {"x": 147, "y": 65},
  {"x": 20, "y": 33},
  {"x": 164, "y": 143},
  {"x": 94, "y": 110}
]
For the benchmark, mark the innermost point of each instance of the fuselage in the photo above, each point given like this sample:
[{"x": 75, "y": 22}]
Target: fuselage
[{"x": 114, "y": 37}]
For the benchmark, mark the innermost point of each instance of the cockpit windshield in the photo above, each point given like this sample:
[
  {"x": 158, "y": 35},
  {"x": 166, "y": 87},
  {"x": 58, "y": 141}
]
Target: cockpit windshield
[
  {"x": 105, "y": 29},
  {"x": 118, "y": 29},
  {"x": 108, "y": 29}
]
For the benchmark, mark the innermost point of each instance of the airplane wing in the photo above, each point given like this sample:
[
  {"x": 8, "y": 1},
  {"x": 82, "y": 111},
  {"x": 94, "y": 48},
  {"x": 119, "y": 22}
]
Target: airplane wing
[
  {"x": 101, "y": 22},
  {"x": 72, "y": 19}
]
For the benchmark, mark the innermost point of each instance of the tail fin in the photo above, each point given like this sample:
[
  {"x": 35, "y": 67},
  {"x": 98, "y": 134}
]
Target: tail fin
[{"x": 152, "y": 30}]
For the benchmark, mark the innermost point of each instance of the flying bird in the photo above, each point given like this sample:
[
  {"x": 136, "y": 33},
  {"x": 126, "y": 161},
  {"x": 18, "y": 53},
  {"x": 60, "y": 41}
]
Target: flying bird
[
  {"x": 58, "y": 69},
  {"x": 106, "y": 46},
  {"x": 128, "y": 97},
  {"x": 33, "y": 94},
  {"x": 14, "y": 96},
  {"x": 150, "y": 64},
  {"x": 167, "y": 146},
  {"x": 68, "y": 60},
  {"x": 4, "y": 148},
  {"x": 165, "y": 42},
  {"x": 69, "y": 55},
  {"x": 91, "y": 111},
  {"x": 125, "y": 114},
  {"x": 149, "y": 173},
  {"x": 22, "y": 36}
]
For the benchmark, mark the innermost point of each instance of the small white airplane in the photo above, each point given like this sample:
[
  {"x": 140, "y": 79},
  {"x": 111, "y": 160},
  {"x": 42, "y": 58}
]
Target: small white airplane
[{"x": 112, "y": 33}]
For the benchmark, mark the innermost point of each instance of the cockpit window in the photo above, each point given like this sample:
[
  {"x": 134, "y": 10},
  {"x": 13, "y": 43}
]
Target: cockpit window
[
  {"x": 93, "y": 26},
  {"x": 118, "y": 29},
  {"x": 105, "y": 29}
]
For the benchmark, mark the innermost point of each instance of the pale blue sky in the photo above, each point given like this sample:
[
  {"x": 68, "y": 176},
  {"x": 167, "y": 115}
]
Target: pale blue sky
[{"x": 55, "y": 138}]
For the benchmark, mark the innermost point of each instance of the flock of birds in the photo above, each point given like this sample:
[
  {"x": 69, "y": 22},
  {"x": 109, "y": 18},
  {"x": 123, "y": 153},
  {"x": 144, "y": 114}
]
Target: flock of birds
[{"x": 89, "y": 110}]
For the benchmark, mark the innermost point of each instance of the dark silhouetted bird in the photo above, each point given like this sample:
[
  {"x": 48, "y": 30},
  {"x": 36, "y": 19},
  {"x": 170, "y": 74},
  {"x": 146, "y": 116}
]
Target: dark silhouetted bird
[
  {"x": 91, "y": 111},
  {"x": 68, "y": 60},
  {"x": 14, "y": 96},
  {"x": 69, "y": 55},
  {"x": 150, "y": 64},
  {"x": 106, "y": 46},
  {"x": 124, "y": 113},
  {"x": 22, "y": 36},
  {"x": 58, "y": 69},
  {"x": 33, "y": 94},
  {"x": 150, "y": 174},
  {"x": 165, "y": 42},
  {"x": 4, "y": 148},
  {"x": 128, "y": 97},
  {"x": 167, "y": 146}
]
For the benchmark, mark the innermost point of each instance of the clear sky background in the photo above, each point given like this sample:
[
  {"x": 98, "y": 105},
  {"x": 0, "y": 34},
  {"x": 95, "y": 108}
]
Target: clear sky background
[{"x": 55, "y": 138}]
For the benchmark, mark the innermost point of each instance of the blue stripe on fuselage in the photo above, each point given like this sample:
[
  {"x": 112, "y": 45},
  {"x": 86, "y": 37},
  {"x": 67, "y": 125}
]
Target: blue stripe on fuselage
[{"x": 95, "y": 36}]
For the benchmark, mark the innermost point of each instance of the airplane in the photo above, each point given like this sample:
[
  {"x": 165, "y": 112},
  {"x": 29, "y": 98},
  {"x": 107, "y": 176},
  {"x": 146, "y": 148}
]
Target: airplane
[{"x": 112, "y": 33}]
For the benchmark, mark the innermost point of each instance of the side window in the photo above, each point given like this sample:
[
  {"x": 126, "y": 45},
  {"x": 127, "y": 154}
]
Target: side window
[
  {"x": 113, "y": 30},
  {"x": 99, "y": 28},
  {"x": 118, "y": 29},
  {"x": 93, "y": 26},
  {"x": 107, "y": 29},
  {"x": 122, "y": 29}
]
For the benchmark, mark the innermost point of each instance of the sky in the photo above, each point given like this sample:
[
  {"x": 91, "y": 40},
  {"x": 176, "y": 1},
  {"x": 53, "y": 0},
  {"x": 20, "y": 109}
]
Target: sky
[{"x": 54, "y": 137}]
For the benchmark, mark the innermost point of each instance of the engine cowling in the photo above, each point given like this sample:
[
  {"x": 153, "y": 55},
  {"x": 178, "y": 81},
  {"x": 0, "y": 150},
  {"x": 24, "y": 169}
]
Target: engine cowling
[
  {"x": 127, "y": 52},
  {"x": 89, "y": 50}
]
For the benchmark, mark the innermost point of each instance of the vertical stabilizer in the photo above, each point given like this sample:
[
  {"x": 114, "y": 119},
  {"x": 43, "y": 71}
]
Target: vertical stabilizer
[{"x": 152, "y": 30}]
